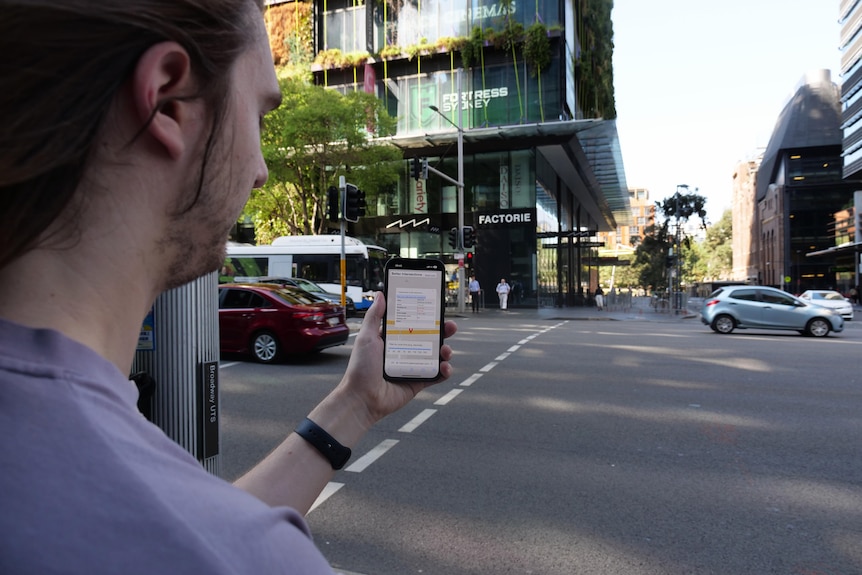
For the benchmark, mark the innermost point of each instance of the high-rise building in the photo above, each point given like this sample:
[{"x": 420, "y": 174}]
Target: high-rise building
[
  {"x": 515, "y": 98},
  {"x": 627, "y": 238},
  {"x": 745, "y": 224},
  {"x": 800, "y": 189},
  {"x": 850, "y": 18}
]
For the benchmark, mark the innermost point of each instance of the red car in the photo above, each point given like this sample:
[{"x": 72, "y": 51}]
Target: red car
[{"x": 272, "y": 321}]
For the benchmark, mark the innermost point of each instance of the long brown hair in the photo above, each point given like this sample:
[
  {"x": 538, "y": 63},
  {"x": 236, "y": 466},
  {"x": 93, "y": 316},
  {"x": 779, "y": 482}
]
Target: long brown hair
[{"x": 63, "y": 62}]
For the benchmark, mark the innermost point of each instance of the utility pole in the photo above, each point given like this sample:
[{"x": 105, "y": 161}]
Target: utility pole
[
  {"x": 460, "y": 186},
  {"x": 677, "y": 295}
]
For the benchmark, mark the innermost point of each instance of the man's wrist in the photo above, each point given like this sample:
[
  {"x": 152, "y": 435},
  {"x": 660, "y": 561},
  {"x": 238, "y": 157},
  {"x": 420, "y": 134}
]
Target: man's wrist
[{"x": 326, "y": 445}]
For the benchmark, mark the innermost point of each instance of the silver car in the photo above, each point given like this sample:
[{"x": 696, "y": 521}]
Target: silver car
[
  {"x": 760, "y": 307},
  {"x": 831, "y": 299}
]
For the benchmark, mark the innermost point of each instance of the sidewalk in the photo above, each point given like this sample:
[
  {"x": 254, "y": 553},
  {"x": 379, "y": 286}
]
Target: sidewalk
[{"x": 640, "y": 310}]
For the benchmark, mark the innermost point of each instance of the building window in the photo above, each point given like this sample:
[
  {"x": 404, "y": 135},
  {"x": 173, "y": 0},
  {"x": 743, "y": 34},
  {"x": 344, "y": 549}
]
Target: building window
[{"x": 345, "y": 29}]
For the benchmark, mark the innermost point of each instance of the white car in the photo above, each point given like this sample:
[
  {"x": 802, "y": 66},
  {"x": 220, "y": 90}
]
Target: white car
[{"x": 831, "y": 299}]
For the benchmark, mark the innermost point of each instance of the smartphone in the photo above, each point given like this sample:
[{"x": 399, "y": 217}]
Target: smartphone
[{"x": 413, "y": 324}]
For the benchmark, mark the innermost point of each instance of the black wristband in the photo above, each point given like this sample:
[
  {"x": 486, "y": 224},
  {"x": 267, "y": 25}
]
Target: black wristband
[{"x": 333, "y": 451}]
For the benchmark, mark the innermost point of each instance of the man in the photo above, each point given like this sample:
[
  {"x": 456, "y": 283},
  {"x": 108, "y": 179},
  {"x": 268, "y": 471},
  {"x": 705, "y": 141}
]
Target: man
[
  {"x": 129, "y": 142},
  {"x": 474, "y": 288},
  {"x": 503, "y": 293}
]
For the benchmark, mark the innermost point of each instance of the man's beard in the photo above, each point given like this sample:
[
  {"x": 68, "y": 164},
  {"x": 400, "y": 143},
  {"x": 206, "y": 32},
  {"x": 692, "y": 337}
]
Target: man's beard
[{"x": 193, "y": 257}]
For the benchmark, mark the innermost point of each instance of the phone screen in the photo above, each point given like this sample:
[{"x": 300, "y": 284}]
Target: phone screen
[{"x": 414, "y": 319}]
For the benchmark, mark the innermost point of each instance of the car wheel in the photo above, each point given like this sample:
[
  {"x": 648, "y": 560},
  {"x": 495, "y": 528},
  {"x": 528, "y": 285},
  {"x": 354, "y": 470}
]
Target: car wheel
[
  {"x": 265, "y": 348},
  {"x": 817, "y": 327},
  {"x": 723, "y": 324}
]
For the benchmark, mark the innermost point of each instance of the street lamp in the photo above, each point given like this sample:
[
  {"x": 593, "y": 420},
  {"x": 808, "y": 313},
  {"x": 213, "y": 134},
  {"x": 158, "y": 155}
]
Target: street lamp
[
  {"x": 677, "y": 296},
  {"x": 460, "y": 186}
]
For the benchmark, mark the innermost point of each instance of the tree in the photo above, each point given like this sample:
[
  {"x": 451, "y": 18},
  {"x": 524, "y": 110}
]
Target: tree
[
  {"x": 314, "y": 137},
  {"x": 626, "y": 275},
  {"x": 682, "y": 207},
  {"x": 651, "y": 255},
  {"x": 651, "y": 258},
  {"x": 718, "y": 248}
]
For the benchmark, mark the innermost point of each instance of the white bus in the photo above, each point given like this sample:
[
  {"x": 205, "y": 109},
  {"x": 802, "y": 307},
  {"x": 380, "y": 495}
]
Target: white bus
[{"x": 316, "y": 258}]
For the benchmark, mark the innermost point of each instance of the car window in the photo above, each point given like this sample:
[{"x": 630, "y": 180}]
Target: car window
[
  {"x": 257, "y": 300},
  {"x": 236, "y": 299},
  {"x": 308, "y": 286},
  {"x": 276, "y": 281},
  {"x": 297, "y": 297},
  {"x": 744, "y": 294},
  {"x": 831, "y": 296},
  {"x": 778, "y": 298}
]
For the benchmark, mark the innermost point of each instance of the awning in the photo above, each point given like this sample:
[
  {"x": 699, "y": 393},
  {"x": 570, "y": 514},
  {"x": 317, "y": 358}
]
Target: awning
[
  {"x": 587, "y": 149},
  {"x": 849, "y": 247}
]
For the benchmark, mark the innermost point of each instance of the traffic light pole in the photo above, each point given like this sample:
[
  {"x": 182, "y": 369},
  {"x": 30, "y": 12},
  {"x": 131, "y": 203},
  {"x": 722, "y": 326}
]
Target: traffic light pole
[
  {"x": 459, "y": 184},
  {"x": 342, "y": 193},
  {"x": 677, "y": 296}
]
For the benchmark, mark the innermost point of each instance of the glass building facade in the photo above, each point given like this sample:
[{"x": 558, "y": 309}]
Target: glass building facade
[{"x": 531, "y": 162}]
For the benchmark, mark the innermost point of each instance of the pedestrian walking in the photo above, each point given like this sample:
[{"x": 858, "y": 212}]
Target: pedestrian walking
[
  {"x": 474, "y": 288},
  {"x": 503, "y": 293},
  {"x": 140, "y": 177},
  {"x": 600, "y": 298}
]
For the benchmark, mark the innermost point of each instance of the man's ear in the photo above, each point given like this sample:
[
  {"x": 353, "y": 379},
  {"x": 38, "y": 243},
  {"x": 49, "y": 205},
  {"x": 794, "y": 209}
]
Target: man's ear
[{"x": 162, "y": 78}]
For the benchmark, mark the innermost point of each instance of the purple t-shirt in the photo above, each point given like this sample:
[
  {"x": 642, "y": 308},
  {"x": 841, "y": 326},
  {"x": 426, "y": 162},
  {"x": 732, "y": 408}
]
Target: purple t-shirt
[{"x": 89, "y": 486}]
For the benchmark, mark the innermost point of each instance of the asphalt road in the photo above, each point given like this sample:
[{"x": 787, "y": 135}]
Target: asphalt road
[{"x": 568, "y": 447}]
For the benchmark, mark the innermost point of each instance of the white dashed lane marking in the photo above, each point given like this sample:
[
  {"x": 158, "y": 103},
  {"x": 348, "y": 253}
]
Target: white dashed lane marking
[
  {"x": 411, "y": 425},
  {"x": 377, "y": 452}
]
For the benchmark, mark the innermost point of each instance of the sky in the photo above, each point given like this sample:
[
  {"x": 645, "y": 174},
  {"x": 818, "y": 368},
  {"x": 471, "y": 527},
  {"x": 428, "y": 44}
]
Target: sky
[{"x": 699, "y": 84}]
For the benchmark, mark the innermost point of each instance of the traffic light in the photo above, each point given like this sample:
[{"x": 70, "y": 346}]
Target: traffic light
[
  {"x": 354, "y": 203},
  {"x": 420, "y": 168},
  {"x": 671, "y": 261},
  {"x": 332, "y": 203},
  {"x": 469, "y": 237},
  {"x": 453, "y": 238}
]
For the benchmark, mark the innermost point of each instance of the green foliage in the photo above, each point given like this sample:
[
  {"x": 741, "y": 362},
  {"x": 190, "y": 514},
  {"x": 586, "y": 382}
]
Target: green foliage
[
  {"x": 627, "y": 276},
  {"x": 335, "y": 58},
  {"x": 718, "y": 248},
  {"x": 682, "y": 207},
  {"x": 316, "y": 136},
  {"x": 450, "y": 43},
  {"x": 650, "y": 259},
  {"x": 537, "y": 48},
  {"x": 424, "y": 47},
  {"x": 508, "y": 37},
  {"x": 701, "y": 261},
  {"x": 471, "y": 51},
  {"x": 594, "y": 74},
  {"x": 390, "y": 51}
]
